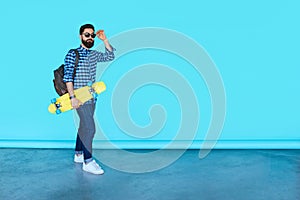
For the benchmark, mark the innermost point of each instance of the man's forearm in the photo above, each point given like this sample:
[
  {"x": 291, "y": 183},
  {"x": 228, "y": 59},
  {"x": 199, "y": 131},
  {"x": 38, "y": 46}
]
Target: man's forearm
[
  {"x": 70, "y": 88},
  {"x": 107, "y": 45},
  {"x": 74, "y": 101}
]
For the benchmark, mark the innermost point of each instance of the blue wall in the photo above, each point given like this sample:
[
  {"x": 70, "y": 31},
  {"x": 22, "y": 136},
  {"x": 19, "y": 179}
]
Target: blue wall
[{"x": 253, "y": 44}]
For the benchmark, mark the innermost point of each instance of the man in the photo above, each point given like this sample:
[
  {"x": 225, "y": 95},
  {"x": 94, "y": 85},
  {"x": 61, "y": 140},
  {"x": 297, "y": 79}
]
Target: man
[{"x": 85, "y": 74}]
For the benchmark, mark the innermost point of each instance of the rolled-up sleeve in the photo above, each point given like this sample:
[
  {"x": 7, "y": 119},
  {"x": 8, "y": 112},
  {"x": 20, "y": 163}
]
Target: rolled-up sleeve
[
  {"x": 69, "y": 66},
  {"x": 106, "y": 56}
]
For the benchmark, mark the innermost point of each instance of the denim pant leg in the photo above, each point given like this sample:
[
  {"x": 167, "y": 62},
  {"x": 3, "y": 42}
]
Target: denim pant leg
[{"x": 86, "y": 130}]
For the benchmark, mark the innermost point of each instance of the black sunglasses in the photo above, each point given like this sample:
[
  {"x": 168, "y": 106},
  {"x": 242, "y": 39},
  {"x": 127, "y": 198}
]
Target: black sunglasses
[{"x": 88, "y": 35}]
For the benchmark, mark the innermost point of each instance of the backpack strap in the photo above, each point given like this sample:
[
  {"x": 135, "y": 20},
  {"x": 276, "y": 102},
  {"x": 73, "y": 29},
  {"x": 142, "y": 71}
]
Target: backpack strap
[{"x": 76, "y": 62}]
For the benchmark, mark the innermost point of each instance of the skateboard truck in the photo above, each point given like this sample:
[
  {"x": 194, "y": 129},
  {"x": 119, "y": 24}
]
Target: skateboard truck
[
  {"x": 93, "y": 93},
  {"x": 57, "y": 105}
]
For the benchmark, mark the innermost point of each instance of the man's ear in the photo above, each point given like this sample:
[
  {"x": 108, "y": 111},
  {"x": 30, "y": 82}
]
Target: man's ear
[{"x": 80, "y": 37}]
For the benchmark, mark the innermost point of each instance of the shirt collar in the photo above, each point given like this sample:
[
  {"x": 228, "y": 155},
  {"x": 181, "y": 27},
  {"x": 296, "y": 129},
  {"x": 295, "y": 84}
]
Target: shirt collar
[{"x": 84, "y": 50}]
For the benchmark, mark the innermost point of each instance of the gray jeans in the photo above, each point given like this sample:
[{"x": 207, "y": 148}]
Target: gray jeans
[{"x": 86, "y": 131}]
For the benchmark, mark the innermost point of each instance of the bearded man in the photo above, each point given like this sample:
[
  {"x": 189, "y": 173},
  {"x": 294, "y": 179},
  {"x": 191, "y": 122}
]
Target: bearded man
[{"x": 85, "y": 75}]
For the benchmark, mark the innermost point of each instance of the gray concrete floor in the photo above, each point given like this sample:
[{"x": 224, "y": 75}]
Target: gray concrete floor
[{"x": 223, "y": 174}]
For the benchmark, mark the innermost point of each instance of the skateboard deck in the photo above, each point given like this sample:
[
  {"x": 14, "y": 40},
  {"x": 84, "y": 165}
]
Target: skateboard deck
[{"x": 63, "y": 103}]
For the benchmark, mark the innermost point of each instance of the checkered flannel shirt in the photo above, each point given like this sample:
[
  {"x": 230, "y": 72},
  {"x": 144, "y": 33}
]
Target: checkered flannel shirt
[{"x": 87, "y": 64}]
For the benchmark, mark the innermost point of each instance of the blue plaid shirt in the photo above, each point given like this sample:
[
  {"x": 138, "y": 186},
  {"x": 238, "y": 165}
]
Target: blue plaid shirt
[{"x": 87, "y": 64}]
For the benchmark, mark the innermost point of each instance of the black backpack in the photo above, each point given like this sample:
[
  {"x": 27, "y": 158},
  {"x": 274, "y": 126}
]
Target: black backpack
[{"x": 59, "y": 84}]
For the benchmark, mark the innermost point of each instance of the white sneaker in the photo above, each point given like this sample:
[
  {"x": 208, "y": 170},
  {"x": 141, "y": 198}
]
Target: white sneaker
[
  {"x": 92, "y": 167},
  {"x": 78, "y": 159}
]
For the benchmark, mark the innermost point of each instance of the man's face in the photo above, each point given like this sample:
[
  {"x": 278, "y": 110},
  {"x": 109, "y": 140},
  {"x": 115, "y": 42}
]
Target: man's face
[{"x": 87, "y": 38}]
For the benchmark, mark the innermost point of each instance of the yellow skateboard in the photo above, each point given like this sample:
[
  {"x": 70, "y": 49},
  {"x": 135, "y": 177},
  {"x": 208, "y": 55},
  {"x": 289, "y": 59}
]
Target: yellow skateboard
[{"x": 63, "y": 103}]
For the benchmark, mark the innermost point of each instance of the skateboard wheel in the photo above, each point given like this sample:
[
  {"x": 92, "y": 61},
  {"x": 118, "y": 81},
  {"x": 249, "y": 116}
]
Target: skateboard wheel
[
  {"x": 95, "y": 95},
  {"x": 53, "y": 100},
  {"x": 58, "y": 111}
]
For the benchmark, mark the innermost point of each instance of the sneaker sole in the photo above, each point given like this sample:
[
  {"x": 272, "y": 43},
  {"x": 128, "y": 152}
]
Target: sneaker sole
[{"x": 97, "y": 173}]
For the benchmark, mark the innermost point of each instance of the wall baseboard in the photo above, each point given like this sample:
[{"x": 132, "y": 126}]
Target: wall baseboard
[{"x": 130, "y": 144}]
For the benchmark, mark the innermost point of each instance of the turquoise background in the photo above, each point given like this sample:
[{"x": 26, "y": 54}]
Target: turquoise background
[{"x": 255, "y": 45}]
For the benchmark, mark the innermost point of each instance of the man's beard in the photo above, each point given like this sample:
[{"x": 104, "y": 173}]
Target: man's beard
[{"x": 88, "y": 43}]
